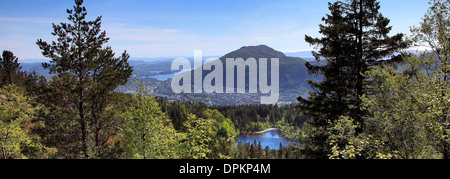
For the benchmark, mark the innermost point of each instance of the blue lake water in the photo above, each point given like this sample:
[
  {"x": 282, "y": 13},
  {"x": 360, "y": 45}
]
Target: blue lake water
[
  {"x": 163, "y": 77},
  {"x": 270, "y": 138}
]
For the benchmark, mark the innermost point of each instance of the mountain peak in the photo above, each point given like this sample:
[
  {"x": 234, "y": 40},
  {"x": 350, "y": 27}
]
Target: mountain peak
[{"x": 260, "y": 51}]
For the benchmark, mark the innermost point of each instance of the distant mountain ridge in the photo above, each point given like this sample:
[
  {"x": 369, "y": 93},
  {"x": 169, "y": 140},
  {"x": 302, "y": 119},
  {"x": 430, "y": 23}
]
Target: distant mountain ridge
[
  {"x": 293, "y": 77},
  {"x": 293, "y": 72},
  {"x": 261, "y": 51}
]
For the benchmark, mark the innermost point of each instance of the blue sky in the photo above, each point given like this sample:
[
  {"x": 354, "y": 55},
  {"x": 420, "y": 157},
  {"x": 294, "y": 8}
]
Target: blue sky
[{"x": 174, "y": 28}]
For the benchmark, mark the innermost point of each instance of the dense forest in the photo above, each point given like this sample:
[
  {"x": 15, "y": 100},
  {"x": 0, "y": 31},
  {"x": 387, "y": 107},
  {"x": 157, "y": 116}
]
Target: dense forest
[{"x": 375, "y": 100}]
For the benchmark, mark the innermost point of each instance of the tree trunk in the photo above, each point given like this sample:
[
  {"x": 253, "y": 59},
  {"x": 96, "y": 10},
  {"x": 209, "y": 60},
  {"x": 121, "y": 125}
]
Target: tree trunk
[{"x": 83, "y": 122}]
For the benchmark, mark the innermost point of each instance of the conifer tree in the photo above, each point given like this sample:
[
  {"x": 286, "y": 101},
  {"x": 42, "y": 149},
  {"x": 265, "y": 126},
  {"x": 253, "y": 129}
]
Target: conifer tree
[
  {"x": 87, "y": 73},
  {"x": 9, "y": 67},
  {"x": 355, "y": 37}
]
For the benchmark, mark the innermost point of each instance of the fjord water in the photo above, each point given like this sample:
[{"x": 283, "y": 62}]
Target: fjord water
[{"x": 270, "y": 138}]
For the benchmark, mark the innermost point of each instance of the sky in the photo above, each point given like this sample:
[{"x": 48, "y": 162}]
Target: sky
[{"x": 175, "y": 28}]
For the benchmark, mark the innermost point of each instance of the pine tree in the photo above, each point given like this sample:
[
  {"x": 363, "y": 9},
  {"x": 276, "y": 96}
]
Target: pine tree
[
  {"x": 355, "y": 38},
  {"x": 9, "y": 67},
  {"x": 87, "y": 73}
]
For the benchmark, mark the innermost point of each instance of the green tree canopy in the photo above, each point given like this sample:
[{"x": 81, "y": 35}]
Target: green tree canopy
[
  {"x": 9, "y": 68},
  {"x": 18, "y": 119},
  {"x": 147, "y": 132},
  {"x": 87, "y": 72},
  {"x": 355, "y": 37}
]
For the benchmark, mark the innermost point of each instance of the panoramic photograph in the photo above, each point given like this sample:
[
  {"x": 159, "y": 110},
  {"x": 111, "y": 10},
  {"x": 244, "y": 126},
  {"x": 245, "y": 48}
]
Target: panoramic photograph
[{"x": 225, "y": 79}]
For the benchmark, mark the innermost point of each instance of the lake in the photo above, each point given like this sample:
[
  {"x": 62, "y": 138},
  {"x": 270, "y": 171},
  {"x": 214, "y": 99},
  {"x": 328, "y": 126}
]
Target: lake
[
  {"x": 164, "y": 76},
  {"x": 270, "y": 138}
]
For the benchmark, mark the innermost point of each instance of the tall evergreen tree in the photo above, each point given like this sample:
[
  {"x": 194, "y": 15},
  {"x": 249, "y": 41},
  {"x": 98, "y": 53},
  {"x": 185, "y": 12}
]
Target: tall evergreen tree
[
  {"x": 87, "y": 73},
  {"x": 9, "y": 67},
  {"x": 355, "y": 37}
]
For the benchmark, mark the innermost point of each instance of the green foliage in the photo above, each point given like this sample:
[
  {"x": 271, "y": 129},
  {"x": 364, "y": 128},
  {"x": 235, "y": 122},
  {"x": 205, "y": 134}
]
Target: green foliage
[
  {"x": 198, "y": 137},
  {"x": 347, "y": 144},
  {"x": 255, "y": 151},
  {"x": 354, "y": 38},
  {"x": 222, "y": 132},
  {"x": 409, "y": 103},
  {"x": 403, "y": 123},
  {"x": 288, "y": 130},
  {"x": 18, "y": 119},
  {"x": 406, "y": 119},
  {"x": 147, "y": 132},
  {"x": 9, "y": 68},
  {"x": 85, "y": 118},
  {"x": 434, "y": 89},
  {"x": 365, "y": 108},
  {"x": 224, "y": 126},
  {"x": 87, "y": 74},
  {"x": 252, "y": 118},
  {"x": 398, "y": 117},
  {"x": 178, "y": 111}
]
